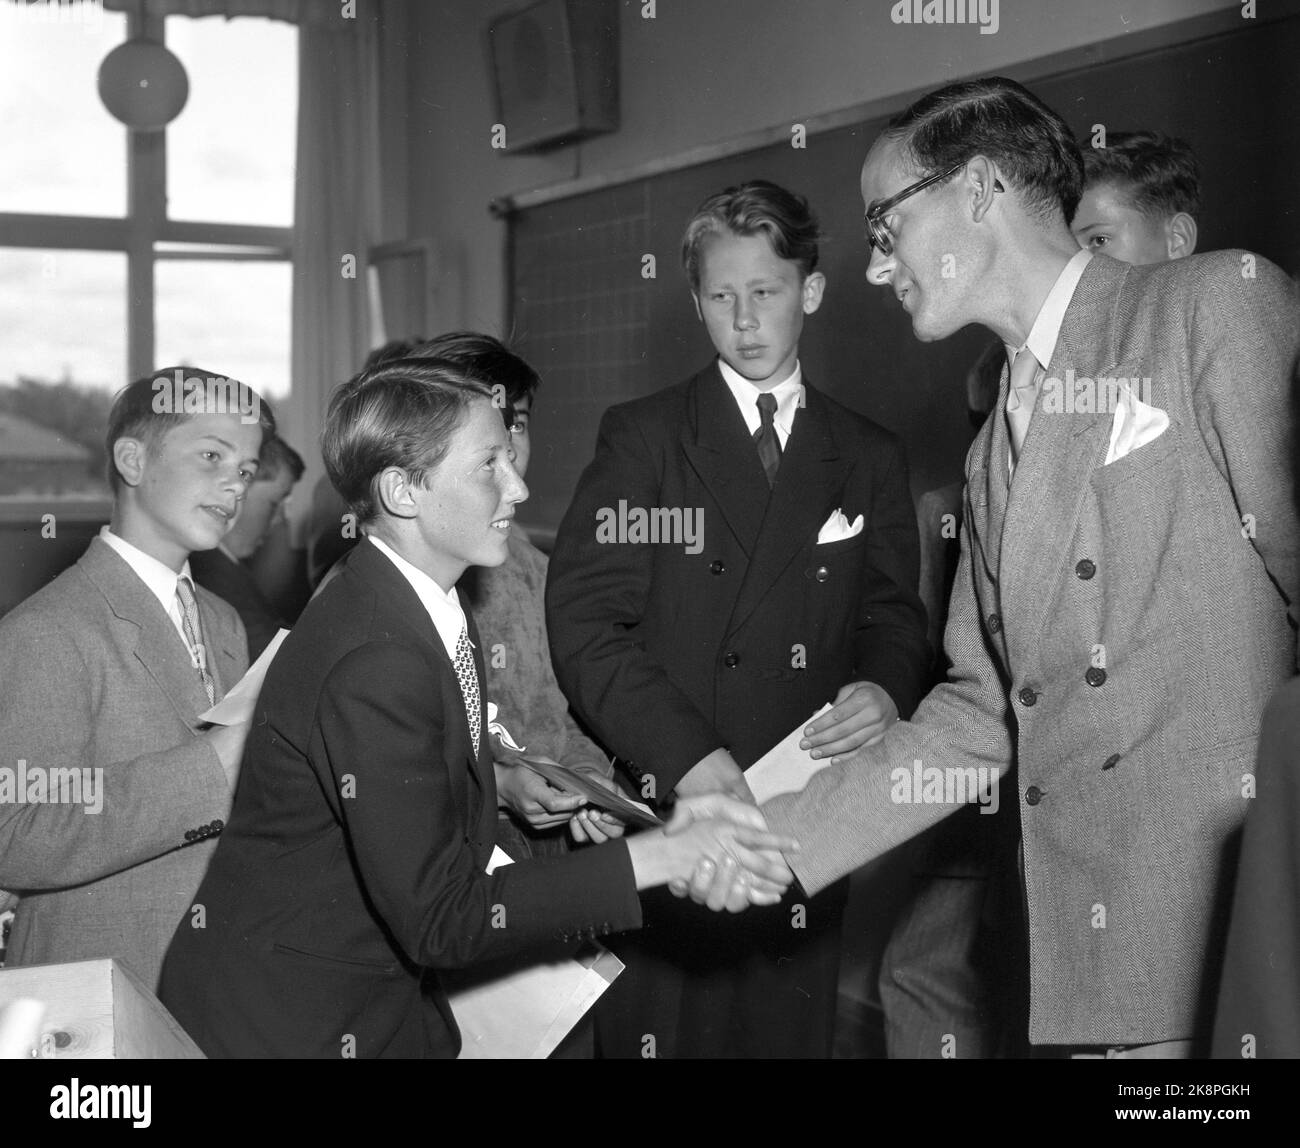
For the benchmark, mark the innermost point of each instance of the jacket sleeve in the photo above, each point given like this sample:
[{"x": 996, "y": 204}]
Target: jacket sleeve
[
  {"x": 890, "y": 646},
  {"x": 1245, "y": 388},
  {"x": 596, "y": 595},
  {"x": 131, "y": 811},
  {"x": 850, "y": 813},
  {"x": 382, "y": 747}
]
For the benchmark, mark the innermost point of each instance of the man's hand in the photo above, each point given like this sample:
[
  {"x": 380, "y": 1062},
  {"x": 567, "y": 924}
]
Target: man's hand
[
  {"x": 528, "y": 795},
  {"x": 595, "y": 825},
  {"x": 719, "y": 883},
  {"x": 228, "y": 741},
  {"x": 716, "y": 773},
  {"x": 745, "y": 865},
  {"x": 861, "y": 714}
]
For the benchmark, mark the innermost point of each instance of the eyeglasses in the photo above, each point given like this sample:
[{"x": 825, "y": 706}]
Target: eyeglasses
[{"x": 877, "y": 233}]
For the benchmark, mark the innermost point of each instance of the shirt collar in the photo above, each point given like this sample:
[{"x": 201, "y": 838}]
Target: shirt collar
[
  {"x": 443, "y": 606},
  {"x": 158, "y": 576},
  {"x": 1047, "y": 326},
  {"x": 788, "y": 394}
]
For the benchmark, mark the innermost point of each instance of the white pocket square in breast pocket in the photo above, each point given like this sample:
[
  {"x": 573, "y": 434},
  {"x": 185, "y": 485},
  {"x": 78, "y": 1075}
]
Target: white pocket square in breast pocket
[
  {"x": 1136, "y": 424},
  {"x": 836, "y": 528}
]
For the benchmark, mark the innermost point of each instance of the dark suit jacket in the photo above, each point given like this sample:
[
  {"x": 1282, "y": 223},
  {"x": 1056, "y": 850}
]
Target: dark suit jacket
[
  {"x": 352, "y": 867},
  {"x": 234, "y": 582},
  {"x": 669, "y": 655}
]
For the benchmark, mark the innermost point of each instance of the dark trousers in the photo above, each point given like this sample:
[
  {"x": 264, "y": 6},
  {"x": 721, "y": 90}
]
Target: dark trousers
[{"x": 758, "y": 984}]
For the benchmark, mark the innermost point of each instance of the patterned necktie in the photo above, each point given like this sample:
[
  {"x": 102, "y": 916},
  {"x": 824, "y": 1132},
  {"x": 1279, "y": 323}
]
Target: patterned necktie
[
  {"x": 194, "y": 635},
  {"x": 769, "y": 446},
  {"x": 468, "y": 678},
  {"x": 1021, "y": 397}
]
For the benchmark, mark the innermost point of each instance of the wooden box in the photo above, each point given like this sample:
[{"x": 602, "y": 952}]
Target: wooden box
[{"x": 98, "y": 1010}]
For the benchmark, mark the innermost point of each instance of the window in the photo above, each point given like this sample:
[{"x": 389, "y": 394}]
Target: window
[{"x": 121, "y": 252}]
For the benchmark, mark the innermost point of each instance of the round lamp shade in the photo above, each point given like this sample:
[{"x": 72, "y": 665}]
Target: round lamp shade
[{"x": 143, "y": 85}]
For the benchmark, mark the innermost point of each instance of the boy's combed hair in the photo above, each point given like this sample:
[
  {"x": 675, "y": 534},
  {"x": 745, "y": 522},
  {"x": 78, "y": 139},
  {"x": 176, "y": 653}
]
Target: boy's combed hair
[
  {"x": 1158, "y": 174},
  {"x": 276, "y": 458},
  {"x": 1000, "y": 119},
  {"x": 402, "y": 413},
  {"x": 146, "y": 409},
  {"x": 758, "y": 207}
]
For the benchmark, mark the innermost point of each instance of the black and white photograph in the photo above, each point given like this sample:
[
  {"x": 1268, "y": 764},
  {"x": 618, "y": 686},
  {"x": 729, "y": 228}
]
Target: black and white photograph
[{"x": 717, "y": 530}]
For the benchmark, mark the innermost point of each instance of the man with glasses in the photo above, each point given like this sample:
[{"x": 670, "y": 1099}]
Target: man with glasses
[{"x": 1130, "y": 567}]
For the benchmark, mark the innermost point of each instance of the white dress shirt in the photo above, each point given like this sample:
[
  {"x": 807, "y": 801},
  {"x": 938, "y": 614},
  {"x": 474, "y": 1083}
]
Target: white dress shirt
[
  {"x": 1047, "y": 326},
  {"x": 443, "y": 606},
  {"x": 158, "y": 576},
  {"x": 788, "y": 394}
]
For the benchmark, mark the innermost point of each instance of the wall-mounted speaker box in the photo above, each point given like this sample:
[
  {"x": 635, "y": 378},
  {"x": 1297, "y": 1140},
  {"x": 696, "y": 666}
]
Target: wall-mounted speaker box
[
  {"x": 97, "y": 1010},
  {"x": 556, "y": 68}
]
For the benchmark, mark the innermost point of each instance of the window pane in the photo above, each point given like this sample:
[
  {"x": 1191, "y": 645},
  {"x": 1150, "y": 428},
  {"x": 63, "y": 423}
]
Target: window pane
[
  {"x": 62, "y": 358},
  {"x": 63, "y": 153},
  {"x": 231, "y": 318},
  {"x": 230, "y": 153}
]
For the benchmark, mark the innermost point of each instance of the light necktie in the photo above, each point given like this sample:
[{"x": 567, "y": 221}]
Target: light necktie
[
  {"x": 468, "y": 678},
  {"x": 193, "y": 629},
  {"x": 1021, "y": 397},
  {"x": 769, "y": 445}
]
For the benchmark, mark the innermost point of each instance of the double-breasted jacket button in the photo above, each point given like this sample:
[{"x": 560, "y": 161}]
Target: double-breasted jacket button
[
  {"x": 1027, "y": 696},
  {"x": 1095, "y": 676},
  {"x": 218, "y": 825},
  {"x": 1033, "y": 795},
  {"x": 821, "y": 574},
  {"x": 995, "y": 623},
  {"x": 717, "y": 566},
  {"x": 731, "y": 661},
  {"x": 190, "y": 834},
  {"x": 1085, "y": 568},
  {"x": 1109, "y": 763}
]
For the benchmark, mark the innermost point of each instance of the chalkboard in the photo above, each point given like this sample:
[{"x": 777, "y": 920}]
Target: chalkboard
[{"x": 600, "y": 332}]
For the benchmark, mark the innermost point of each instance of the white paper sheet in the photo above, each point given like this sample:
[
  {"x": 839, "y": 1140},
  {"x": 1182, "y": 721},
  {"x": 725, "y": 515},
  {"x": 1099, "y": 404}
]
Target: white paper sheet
[
  {"x": 785, "y": 768},
  {"x": 237, "y": 706}
]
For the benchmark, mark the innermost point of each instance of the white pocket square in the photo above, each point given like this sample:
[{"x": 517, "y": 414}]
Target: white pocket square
[
  {"x": 836, "y": 528},
  {"x": 1136, "y": 424}
]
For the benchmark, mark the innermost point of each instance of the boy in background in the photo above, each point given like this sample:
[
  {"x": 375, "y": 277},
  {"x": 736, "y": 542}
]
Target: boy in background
[{"x": 116, "y": 788}]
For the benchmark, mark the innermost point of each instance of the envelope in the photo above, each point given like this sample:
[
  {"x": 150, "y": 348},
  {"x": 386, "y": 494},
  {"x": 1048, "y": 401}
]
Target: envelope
[
  {"x": 836, "y": 528},
  {"x": 1136, "y": 423}
]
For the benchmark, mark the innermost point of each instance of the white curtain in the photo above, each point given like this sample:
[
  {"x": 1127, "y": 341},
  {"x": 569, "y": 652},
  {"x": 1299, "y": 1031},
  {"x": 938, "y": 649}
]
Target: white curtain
[{"x": 300, "y": 12}]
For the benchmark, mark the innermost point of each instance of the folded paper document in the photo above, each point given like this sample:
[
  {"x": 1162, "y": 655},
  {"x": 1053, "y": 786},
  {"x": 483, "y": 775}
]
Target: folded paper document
[
  {"x": 785, "y": 768},
  {"x": 237, "y": 706},
  {"x": 523, "y": 1014}
]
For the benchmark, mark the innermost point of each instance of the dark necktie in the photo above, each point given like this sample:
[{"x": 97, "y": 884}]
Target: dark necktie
[{"x": 769, "y": 446}]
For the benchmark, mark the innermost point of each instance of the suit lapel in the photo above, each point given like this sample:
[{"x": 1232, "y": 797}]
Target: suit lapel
[
  {"x": 155, "y": 643},
  {"x": 400, "y": 608},
  {"x": 1061, "y": 450},
  {"x": 810, "y": 480},
  {"x": 725, "y": 458}
]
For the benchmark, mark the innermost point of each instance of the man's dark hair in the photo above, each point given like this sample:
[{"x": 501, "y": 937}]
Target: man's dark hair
[
  {"x": 277, "y": 458},
  {"x": 1000, "y": 119},
  {"x": 148, "y": 408},
  {"x": 393, "y": 349},
  {"x": 754, "y": 208},
  {"x": 403, "y": 413},
  {"x": 1157, "y": 174}
]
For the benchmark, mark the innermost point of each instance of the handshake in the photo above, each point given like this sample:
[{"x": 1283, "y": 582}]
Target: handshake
[{"x": 717, "y": 850}]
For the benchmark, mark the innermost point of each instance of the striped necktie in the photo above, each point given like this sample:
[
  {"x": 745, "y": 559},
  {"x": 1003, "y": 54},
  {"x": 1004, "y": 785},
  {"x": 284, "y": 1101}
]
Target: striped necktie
[
  {"x": 769, "y": 445},
  {"x": 193, "y": 629},
  {"x": 468, "y": 678}
]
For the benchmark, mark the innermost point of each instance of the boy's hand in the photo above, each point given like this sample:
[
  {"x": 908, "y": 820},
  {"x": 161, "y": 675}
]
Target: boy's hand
[
  {"x": 528, "y": 795},
  {"x": 228, "y": 741},
  {"x": 861, "y": 714},
  {"x": 595, "y": 825}
]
